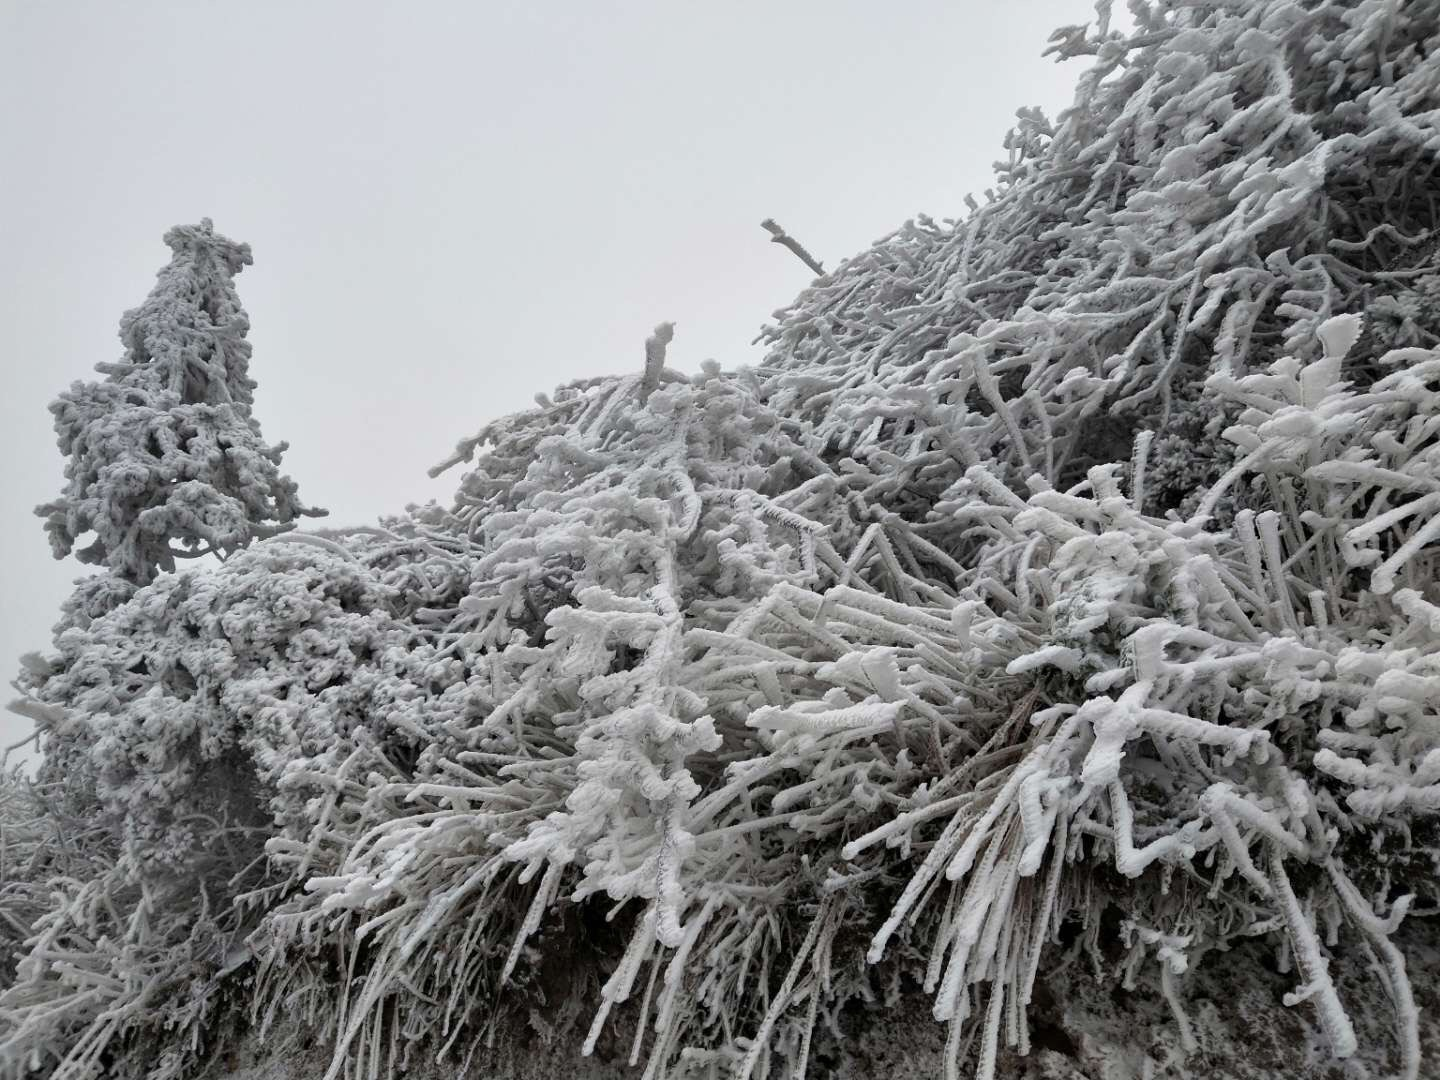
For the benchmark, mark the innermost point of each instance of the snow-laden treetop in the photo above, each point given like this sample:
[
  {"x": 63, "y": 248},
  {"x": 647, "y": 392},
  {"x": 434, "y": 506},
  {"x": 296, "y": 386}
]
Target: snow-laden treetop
[{"x": 166, "y": 460}]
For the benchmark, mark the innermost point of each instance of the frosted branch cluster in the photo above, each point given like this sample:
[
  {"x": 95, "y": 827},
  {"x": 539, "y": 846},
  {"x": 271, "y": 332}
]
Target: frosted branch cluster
[{"x": 1079, "y": 556}]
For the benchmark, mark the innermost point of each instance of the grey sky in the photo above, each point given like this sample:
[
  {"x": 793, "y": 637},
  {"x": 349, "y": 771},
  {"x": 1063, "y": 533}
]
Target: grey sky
[{"x": 455, "y": 205}]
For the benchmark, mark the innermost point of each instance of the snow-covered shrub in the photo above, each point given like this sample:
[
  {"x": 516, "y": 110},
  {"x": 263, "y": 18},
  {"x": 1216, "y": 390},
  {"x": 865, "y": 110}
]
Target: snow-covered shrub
[
  {"x": 27, "y": 837},
  {"x": 921, "y": 653}
]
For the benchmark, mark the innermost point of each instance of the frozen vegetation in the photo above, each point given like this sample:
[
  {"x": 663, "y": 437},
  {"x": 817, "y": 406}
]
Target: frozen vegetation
[{"x": 1059, "y": 593}]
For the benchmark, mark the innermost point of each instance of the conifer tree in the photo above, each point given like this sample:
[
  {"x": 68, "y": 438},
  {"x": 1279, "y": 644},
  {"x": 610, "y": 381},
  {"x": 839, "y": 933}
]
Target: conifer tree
[{"x": 166, "y": 461}]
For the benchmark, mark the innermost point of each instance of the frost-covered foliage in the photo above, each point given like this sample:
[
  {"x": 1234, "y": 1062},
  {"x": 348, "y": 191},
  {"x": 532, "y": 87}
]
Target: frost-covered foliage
[
  {"x": 922, "y": 654},
  {"x": 165, "y": 459}
]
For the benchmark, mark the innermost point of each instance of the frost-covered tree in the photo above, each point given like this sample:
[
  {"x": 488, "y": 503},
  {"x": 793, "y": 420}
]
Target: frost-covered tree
[
  {"x": 922, "y": 654},
  {"x": 165, "y": 460}
]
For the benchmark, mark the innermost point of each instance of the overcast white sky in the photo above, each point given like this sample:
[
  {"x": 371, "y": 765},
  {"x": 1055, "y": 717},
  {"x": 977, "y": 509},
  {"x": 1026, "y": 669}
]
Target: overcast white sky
[{"x": 455, "y": 205}]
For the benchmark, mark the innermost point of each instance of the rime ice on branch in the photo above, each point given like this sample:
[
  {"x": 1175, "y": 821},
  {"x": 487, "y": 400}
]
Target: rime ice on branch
[{"x": 1075, "y": 557}]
